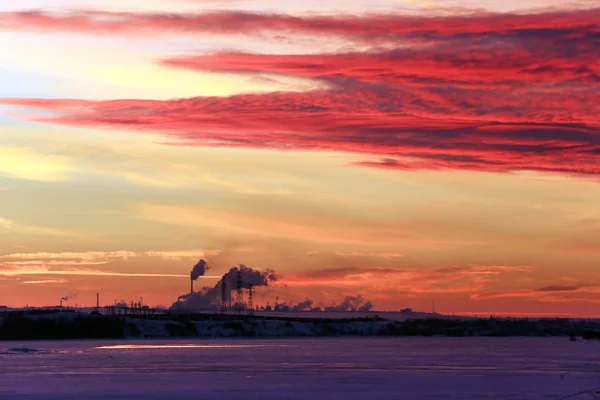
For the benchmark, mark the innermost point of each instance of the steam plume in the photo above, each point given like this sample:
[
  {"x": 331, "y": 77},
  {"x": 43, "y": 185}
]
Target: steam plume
[
  {"x": 199, "y": 269},
  {"x": 305, "y": 305},
  {"x": 69, "y": 297},
  {"x": 208, "y": 298},
  {"x": 249, "y": 277},
  {"x": 352, "y": 303}
]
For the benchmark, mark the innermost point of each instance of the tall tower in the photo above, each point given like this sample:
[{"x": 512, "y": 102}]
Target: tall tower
[
  {"x": 251, "y": 299},
  {"x": 239, "y": 298},
  {"x": 224, "y": 295}
]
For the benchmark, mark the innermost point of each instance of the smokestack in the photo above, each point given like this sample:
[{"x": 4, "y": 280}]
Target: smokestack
[
  {"x": 199, "y": 269},
  {"x": 223, "y": 294},
  {"x": 97, "y": 300}
]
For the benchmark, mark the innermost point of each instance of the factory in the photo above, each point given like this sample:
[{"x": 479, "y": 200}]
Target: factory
[{"x": 234, "y": 292}]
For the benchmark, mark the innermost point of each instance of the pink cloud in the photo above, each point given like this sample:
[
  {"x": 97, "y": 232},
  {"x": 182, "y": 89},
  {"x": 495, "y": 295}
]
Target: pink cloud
[
  {"x": 364, "y": 27},
  {"x": 483, "y": 92},
  {"x": 456, "y": 64},
  {"x": 398, "y": 130}
]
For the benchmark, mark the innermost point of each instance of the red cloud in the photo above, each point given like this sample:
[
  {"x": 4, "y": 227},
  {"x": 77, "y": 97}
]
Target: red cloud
[
  {"x": 480, "y": 92},
  {"x": 458, "y": 65},
  {"x": 364, "y": 27},
  {"x": 402, "y": 130}
]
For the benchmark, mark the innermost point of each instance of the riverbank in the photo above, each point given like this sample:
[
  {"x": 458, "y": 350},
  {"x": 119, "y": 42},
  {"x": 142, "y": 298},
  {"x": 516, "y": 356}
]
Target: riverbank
[{"x": 55, "y": 324}]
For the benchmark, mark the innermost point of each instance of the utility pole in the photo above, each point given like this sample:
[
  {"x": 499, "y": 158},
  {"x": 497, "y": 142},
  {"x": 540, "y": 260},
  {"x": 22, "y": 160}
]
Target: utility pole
[
  {"x": 239, "y": 300},
  {"x": 251, "y": 299},
  {"x": 224, "y": 295}
]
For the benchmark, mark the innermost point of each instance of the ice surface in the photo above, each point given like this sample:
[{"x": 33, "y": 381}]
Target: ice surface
[{"x": 277, "y": 369}]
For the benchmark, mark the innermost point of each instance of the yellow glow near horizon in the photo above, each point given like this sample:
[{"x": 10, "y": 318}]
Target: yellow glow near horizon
[{"x": 28, "y": 164}]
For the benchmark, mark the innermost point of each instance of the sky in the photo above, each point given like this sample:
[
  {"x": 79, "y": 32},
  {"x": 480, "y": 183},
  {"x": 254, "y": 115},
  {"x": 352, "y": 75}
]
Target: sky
[{"x": 409, "y": 151}]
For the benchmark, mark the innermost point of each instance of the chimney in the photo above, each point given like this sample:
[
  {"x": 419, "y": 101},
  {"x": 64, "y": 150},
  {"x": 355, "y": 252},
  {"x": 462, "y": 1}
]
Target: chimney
[
  {"x": 191, "y": 286},
  {"x": 223, "y": 294}
]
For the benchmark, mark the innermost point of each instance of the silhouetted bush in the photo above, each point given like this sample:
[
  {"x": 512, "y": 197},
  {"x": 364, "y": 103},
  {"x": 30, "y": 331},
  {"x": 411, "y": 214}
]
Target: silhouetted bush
[{"x": 591, "y": 335}]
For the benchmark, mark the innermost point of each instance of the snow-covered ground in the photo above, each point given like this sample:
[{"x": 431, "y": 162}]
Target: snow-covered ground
[{"x": 340, "y": 368}]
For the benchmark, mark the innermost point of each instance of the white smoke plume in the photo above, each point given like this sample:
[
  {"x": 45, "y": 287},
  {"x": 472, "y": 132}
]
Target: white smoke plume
[
  {"x": 305, "y": 305},
  {"x": 352, "y": 303},
  {"x": 199, "y": 270},
  {"x": 208, "y": 298},
  {"x": 249, "y": 277}
]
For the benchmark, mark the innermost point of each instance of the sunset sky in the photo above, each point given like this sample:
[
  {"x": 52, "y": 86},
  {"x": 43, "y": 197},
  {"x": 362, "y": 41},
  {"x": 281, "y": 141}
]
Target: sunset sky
[{"x": 404, "y": 150}]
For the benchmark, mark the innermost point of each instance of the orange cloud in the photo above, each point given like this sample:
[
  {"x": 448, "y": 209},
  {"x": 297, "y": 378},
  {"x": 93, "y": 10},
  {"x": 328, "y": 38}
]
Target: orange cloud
[
  {"x": 407, "y": 280},
  {"x": 589, "y": 293},
  {"x": 80, "y": 263}
]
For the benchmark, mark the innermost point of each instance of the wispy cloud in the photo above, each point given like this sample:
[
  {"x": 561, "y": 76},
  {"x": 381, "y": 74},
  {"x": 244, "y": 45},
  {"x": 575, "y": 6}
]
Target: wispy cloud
[
  {"x": 404, "y": 280},
  {"x": 46, "y": 282},
  {"x": 34, "y": 270},
  {"x": 320, "y": 229},
  {"x": 239, "y": 22},
  {"x": 587, "y": 293},
  {"x": 87, "y": 263},
  {"x": 373, "y": 255},
  {"x": 100, "y": 257}
]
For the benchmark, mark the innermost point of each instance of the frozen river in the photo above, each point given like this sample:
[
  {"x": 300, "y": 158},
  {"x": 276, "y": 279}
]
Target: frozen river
[{"x": 340, "y": 368}]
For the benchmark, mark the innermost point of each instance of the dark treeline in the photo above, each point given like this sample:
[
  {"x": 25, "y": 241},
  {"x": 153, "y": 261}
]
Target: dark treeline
[
  {"x": 20, "y": 326},
  {"x": 72, "y": 325}
]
